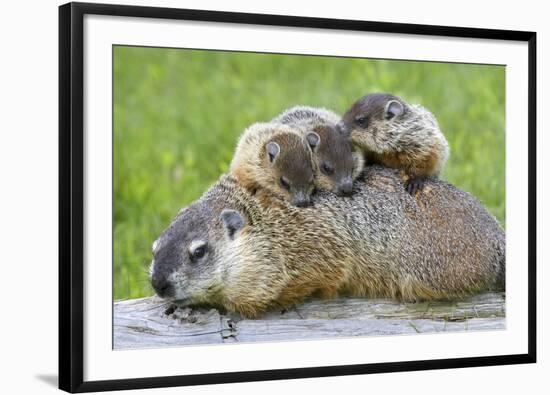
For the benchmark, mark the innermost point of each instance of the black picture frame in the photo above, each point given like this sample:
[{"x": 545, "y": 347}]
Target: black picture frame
[{"x": 71, "y": 198}]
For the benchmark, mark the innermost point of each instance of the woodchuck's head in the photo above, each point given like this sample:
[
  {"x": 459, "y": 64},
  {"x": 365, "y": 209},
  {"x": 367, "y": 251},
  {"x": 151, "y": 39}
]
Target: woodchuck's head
[
  {"x": 376, "y": 122},
  {"x": 188, "y": 255},
  {"x": 337, "y": 165},
  {"x": 289, "y": 167}
]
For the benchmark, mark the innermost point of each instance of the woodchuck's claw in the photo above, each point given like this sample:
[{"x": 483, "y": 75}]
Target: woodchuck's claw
[{"x": 415, "y": 184}]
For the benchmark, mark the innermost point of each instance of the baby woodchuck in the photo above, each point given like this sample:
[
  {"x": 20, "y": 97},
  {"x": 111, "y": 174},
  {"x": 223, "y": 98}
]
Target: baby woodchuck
[
  {"x": 336, "y": 162},
  {"x": 276, "y": 160},
  {"x": 231, "y": 251},
  {"x": 398, "y": 135}
]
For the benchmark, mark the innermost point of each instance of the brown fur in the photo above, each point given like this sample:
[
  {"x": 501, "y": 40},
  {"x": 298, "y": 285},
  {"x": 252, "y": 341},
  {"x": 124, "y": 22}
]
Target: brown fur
[
  {"x": 334, "y": 149},
  {"x": 379, "y": 242},
  {"x": 253, "y": 169},
  {"x": 411, "y": 141},
  {"x": 424, "y": 163}
]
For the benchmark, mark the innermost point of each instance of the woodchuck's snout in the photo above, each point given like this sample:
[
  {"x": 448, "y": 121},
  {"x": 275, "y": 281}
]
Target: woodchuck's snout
[
  {"x": 186, "y": 256},
  {"x": 161, "y": 285},
  {"x": 301, "y": 199},
  {"x": 345, "y": 187}
]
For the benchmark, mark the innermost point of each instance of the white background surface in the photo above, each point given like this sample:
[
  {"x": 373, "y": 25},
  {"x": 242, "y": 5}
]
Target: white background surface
[{"x": 28, "y": 213}]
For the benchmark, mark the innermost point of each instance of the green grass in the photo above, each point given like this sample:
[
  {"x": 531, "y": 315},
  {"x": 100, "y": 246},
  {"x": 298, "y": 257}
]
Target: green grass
[{"x": 178, "y": 114}]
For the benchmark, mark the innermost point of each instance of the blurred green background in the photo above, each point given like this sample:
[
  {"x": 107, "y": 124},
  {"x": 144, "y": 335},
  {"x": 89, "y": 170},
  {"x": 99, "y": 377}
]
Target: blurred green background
[{"x": 178, "y": 114}]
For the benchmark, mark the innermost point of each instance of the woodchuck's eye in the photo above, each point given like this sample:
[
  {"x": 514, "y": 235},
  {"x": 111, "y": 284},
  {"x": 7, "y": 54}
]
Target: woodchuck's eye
[
  {"x": 327, "y": 169},
  {"x": 199, "y": 252},
  {"x": 284, "y": 183},
  {"x": 362, "y": 122}
]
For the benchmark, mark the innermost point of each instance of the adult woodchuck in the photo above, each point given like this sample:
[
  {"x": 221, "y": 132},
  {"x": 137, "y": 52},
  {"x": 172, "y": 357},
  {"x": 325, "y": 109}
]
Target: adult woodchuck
[
  {"x": 396, "y": 134},
  {"x": 229, "y": 250}
]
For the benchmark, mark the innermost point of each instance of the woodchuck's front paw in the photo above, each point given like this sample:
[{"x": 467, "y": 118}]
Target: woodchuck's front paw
[{"x": 415, "y": 185}]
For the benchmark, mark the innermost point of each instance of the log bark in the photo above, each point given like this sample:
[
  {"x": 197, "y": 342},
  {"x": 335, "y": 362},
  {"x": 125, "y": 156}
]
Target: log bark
[{"x": 151, "y": 322}]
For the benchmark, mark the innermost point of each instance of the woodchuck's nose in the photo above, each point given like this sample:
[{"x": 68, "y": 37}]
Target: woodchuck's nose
[
  {"x": 301, "y": 202},
  {"x": 345, "y": 188},
  {"x": 161, "y": 285},
  {"x": 300, "y": 199}
]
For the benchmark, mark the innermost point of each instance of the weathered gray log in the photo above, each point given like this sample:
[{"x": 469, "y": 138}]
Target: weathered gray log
[{"x": 150, "y": 322}]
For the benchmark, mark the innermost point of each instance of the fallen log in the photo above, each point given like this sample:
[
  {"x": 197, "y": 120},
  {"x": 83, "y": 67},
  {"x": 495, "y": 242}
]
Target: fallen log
[{"x": 151, "y": 322}]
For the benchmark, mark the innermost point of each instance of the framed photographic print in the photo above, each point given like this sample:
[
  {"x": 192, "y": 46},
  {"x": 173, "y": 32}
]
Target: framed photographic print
[{"x": 251, "y": 197}]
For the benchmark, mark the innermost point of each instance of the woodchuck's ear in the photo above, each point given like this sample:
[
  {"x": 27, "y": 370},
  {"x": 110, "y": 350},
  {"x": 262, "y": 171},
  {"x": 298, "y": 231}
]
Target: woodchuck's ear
[
  {"x": 393, "y": 109},
  {"x": 273, "y": 150},
  {"x": 313, "y": 140},
  {"x": 233, "y": 222}
]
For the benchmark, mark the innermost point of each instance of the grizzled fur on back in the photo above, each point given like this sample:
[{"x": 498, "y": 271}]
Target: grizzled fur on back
[
  {"x": 337, "y": 162},
  {"x": 379, "y": 242},
  {"x": 408, "y": 139},
  {"x": 307, "y": 116}
]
